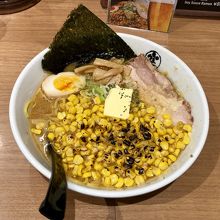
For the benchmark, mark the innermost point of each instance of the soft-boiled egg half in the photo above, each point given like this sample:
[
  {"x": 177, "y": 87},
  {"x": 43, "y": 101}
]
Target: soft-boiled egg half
[{"x": 62, "y": 84}]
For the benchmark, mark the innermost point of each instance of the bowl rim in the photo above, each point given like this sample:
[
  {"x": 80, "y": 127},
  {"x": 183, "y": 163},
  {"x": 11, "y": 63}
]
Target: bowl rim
[{"x": 105, "y": 193}]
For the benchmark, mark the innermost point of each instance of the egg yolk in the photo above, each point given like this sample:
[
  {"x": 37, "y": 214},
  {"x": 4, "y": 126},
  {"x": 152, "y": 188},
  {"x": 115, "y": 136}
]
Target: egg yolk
[{"x": 65, "y": 83}]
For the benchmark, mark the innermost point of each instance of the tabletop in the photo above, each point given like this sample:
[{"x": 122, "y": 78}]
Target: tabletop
[{"x": 195, "y": 195}]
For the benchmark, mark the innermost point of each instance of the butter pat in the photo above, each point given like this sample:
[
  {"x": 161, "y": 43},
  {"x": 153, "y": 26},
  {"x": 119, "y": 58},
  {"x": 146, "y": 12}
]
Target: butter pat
[{"x": 117, "y": 103}]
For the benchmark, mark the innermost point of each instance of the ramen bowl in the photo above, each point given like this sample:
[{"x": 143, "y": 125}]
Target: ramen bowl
[{"x": 178, "y": 72}]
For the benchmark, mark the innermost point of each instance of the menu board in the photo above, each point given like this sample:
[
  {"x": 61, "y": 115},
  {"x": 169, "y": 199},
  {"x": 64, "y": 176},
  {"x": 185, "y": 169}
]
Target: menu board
[
  {"x": 198, "y": 7},
  {"x": 155, "y": 15},
  {"x": 202, "y": 5}
]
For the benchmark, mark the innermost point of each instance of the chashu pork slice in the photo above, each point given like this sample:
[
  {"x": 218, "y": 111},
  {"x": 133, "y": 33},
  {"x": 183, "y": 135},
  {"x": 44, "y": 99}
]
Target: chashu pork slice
[{"x": 156, "y": 89}]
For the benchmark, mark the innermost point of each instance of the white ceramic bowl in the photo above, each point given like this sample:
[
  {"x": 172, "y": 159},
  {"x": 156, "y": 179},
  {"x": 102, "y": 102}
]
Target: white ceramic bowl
[{"x": 180, "y": 74}]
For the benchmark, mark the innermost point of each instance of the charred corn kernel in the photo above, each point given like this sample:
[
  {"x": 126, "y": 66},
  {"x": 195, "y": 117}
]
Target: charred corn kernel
[
  {"x": 167, "y": 123},
  {"x": 139, "y": 179},
  {"x": 40, "y": 125},
  {"x": 156, "y": 171},
  {"x": 180, "y": 145},
  {"x": 105, "y": 172},
  {"x": 69, "y": 152},
  {"x": 151, "y": 110},
  {"x": 163, "y": 165},
  {"x": 61, "y": 115},
  {"x": 186, "y": 139},
  {"x": 97, "y": 166},
  {"x": 51, "y": 136},
  {"x": 187, "y": 127},
  {"x": 120, "y": 183},
  {"x": 128, "y": 182},
  {"x": 114, "y": 179},
  {"x": 172, "y": 157},
  {"x": 78, "y": 159},
  {"x": 35, "y": 131},
  {"x": 164, "y": 145},
  {"x": 177, "y": 152},
  {"x": 156, "y": 162},
  {"x": 97, "y": 100},
  {"x": 86, "y": 175}
]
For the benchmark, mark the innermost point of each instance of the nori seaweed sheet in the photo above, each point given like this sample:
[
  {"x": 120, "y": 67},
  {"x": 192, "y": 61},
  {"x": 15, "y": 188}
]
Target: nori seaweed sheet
[{"x": 82, "y": 38}]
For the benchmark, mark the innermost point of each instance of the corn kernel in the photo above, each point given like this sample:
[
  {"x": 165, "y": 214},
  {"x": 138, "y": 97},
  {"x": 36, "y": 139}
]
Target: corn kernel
[
  {"x": 164, "y": 145},
  {"x": 186, "y": 139},
  {"x": 156, "y": 162},
  {"x": 40, "y": 125},
  {"x": 61, "y": 115},
  {"x": 78, "y": 159},
  {"x": 163, "y": 165},
  {"x": 139, "y": 179},
  {"x": 151, "y": 110},
  {"x": 187, "y": 127},
  {"x": 59, "y": 130},
  {"x": 156, "y": 171},
  {"x": 86, "y": 175},
  {"x": 114, "y": 179},
  {"x": 35, "y": 131},
  {"x": 105, "y": 172},
  {"x": 149, "y": 173},
  {"x": 51, "y": 136},
  {"x": 128, "y": 182},
  {"x": 120, "y": 183},
  {"x": 177, "y": 152},
  {"x": 172, "y": 157},
  {"x": 97, "y": 100},
  {"x": 97, "y": 166},
  {"x": 69, "y": 152},
  {"x": 166, "y": 116},
  {"x": 167, "y": 123},
  {"x": 180, "y": 145},
  {"x": 72, "y": 97},
  {"x": 72, "y": 110},
  {"x": 169, "y": 131},
  {"x": 107, "y": 181}
]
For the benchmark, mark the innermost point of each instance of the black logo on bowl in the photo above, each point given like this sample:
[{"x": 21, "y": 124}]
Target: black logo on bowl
[{"x": 154, "y": 58}]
